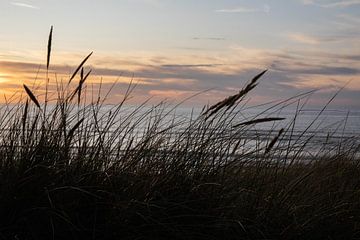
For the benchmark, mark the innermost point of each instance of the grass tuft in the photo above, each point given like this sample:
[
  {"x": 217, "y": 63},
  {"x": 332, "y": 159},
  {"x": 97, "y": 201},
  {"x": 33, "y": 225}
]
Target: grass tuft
[{"x": 82, "y": 169}]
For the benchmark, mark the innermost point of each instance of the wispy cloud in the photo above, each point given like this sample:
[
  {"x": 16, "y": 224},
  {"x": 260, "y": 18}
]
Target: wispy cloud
[
  {"x": 190, "y": 65},
  {"x": 264, "y": 9},
  {"x": 346, "y": 3},
  {"x": 210, "y": 38},
  {"x": 320, "y": 39},
  {"x": 25, "y": 5},
  {"x": 303, "y": 38}
]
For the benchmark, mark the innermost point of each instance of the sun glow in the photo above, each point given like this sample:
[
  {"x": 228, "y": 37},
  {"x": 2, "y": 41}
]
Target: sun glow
[{"x": 3, "y": 78}]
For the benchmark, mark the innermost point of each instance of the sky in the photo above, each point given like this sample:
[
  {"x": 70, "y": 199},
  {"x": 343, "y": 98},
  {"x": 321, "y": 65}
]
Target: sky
[{"x": 174, "y": 49}]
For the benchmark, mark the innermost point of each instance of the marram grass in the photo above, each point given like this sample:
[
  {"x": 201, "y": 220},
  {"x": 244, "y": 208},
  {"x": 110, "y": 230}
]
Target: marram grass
[{"x": 72, "y": 169}]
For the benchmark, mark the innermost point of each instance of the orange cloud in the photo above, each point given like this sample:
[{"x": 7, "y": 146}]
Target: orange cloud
[{"x": 182, "y": 75}]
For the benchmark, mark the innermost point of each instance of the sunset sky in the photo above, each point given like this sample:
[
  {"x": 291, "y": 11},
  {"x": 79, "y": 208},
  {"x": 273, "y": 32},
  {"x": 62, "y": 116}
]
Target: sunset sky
[{"x": 176, "y": 48}]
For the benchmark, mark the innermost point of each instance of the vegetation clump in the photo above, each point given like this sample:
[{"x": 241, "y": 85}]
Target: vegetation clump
[{"x": 71, "y": 168}]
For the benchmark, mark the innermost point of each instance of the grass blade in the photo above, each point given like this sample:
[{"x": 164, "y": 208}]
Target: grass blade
[
  {"x": 79, "y": 87},
  {"x": 49, "y": 48},
  {"x": 32, "y": 96},
  {"x": 272, "y": 143},
  {"x": 258, "y": 76},
  {"x": 259, "y": 120},
  {"x": 83, "y": 79},
  {"x": 79, "y": 67},
  {"x": 72, "y": 130},
  {"x": 82, "y": 74},
  {"x": 25, "y": 116}
]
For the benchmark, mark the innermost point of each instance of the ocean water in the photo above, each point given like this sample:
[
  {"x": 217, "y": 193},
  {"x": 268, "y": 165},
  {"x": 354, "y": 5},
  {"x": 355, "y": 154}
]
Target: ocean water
[
  {"x": 326, "y": 131},
  {"x": 329, "y": 121},
  {"x": 337, "y": 121},
  {"x": 311, "y": 130}
]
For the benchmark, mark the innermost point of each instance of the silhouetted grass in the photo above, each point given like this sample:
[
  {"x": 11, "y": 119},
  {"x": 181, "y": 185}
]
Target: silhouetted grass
[{"x": 83, "y": 170}]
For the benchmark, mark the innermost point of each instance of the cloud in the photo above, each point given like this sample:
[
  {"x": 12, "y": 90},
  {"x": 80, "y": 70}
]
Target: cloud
[
  {"x": 321, "y": 70},
  {"x": 189, "y": 65},
  {"x": 264, "y": 9},
  {"x": 303, "y": 38},
  {"x": 291, "y": 72},
  {"x": 308, "y": 2},
  {"x": 348, "y": 20},
  {"x": 320, "y": 39},
  {"x": 25, "y": 5},
  {"x": 210, "y": 38},
  {"x": 343, "y": 3},
  {"x": 347, "y": 3}
]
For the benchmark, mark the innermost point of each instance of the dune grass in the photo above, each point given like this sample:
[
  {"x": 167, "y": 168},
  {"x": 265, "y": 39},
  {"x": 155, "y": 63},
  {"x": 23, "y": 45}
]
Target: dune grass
[{"x": 74, "y": 168}]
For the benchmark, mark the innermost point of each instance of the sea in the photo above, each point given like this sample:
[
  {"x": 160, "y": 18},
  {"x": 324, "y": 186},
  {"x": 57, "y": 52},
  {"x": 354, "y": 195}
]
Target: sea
[{"x": 311, "y": 130}]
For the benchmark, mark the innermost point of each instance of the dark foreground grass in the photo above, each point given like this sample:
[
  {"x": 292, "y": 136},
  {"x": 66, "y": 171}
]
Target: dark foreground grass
[{"x": 78, "y": 169}]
